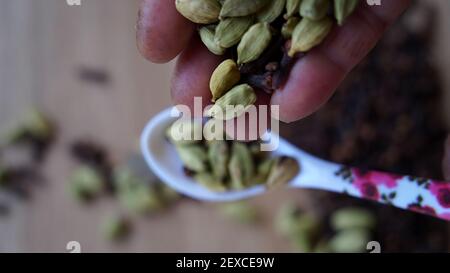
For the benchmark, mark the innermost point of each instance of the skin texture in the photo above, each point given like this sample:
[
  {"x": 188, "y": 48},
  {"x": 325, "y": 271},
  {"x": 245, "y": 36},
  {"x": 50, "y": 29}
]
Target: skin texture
[{"x": 163, "y": 34}]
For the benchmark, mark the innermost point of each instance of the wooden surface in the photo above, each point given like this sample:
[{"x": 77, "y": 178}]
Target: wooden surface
[{"x": 43, "y": 43}]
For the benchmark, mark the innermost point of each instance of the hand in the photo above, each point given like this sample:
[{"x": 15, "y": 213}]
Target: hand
[{"x": 163, "y": 34}]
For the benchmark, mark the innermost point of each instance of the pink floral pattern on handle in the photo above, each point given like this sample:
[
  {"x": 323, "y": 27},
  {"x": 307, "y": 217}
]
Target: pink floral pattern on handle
[
  {"x": 420, "y": 195},
  {"x": 441, "y": 191}
]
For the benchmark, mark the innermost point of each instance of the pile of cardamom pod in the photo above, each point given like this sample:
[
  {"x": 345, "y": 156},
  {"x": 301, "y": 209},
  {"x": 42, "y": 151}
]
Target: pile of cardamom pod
[
  {"x": 222, "y": 165},
  {"x": 345, "y": 230},
  {"x": 260, "y": 39}
]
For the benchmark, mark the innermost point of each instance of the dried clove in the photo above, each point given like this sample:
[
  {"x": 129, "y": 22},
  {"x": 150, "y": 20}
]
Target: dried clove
[
  {"x": 262, "y": 82},
  {"x": 19, "y": 181},
  {"x": 88, "y": 152},
  {"x": 271, "y": 54},
  {"x": 94, "y": 75}
]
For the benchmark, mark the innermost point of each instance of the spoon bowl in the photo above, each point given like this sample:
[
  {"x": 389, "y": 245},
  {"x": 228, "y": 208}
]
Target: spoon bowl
[{"x": 162, "y": 158}]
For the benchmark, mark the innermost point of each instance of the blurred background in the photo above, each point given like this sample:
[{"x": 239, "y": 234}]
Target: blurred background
[{"x": 79, "y": 66}]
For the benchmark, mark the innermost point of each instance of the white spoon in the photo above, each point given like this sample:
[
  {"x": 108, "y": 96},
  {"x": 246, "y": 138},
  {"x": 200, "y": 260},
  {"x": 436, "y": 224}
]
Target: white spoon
[{"x": 419, "y": 195}]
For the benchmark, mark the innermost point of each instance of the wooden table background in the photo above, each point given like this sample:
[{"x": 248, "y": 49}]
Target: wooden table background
[{"x": 43, "y": 43}]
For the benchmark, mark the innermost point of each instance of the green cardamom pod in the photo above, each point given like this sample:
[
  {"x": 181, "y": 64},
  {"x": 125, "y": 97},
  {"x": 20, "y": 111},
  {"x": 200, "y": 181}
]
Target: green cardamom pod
[
  {"x": 263, "y": 170},
  {"x": 235, "y": 171},
  {"x": 272, "y": 11},
  {"x": 140, "y": 198},
  {"x": 305, "y": 229},
  {"x": 194, "y": 157},
  {"x": 254, "y": 42},
  {"x": 86, "y": 183},
  {"x": 224, "y": 77},
  {"x": 234, "y": 103},
  {"x": 218, "y": 158},
  {"x": 124, "y": 178},
  {"x": 289, "y": 26},
  {"x": 350, "y": 241},
  {"x": 314, "y": 9},
  {"x": 308, "y": 34},
  {"x": 213, "y": 130},
  {"x": 265, "y": 167},
  {"x": 207, "y": 35},
  {"x": 287, "y": 220},
  {"x": 34, "y": 125},
  {"x": 238, "y": 8},
  {"x": 347, "y": 218},
  {"x": 208, "y": 181},
  {"x": 242, "y": 151},
  {"x": 230, "y": 30},
  {"x": 185, "y": 132},
  {"x": 38, "y": 125},
  {"x": 292, "y": 8},
  {"x": 115, "y": 228},
  {"x": 283, "y": 171},
  {"x": 301, "y": 229},
  {"x": 241, "y": 166},
  {"x": 241, "y": 212},
  {"x": 136, "y": 193},
  {"x": 199, "y": 11},
  {"x": 343, "y": 9}
]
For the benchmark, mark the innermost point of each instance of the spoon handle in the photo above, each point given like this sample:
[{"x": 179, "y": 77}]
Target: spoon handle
[{"x": 420, "y": 195}]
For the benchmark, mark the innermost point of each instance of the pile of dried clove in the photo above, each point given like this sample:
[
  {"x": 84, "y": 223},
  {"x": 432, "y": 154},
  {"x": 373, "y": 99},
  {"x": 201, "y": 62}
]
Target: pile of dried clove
[{"x": 386, "y": 116}]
